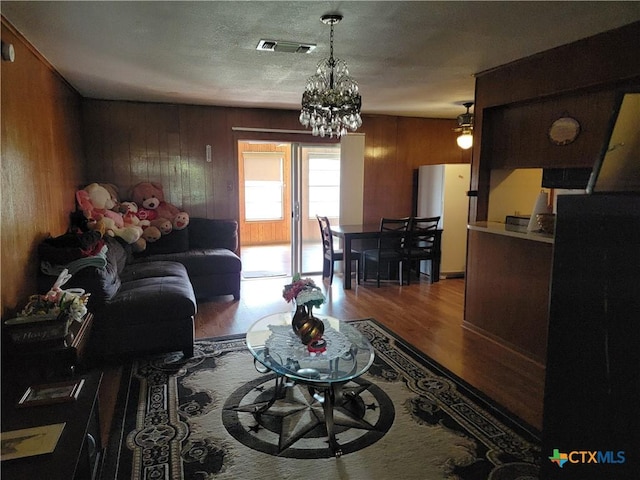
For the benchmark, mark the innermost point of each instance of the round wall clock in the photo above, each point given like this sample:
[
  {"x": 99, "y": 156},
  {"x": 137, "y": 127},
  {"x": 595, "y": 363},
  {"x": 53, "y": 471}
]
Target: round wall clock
[{"x": 564, "y": 131}]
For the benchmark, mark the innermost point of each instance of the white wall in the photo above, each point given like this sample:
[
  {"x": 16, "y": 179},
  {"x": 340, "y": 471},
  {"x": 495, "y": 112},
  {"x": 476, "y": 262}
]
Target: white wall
[
  {"x": 351, "y": 179},
  {"x": 513, "y": 192}
]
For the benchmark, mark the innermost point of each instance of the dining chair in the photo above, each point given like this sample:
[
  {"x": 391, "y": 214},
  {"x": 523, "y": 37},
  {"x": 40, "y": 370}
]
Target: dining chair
[
  {"x": 390, "y": 249},
  {"x": 423, "y": 244},
  {"x": 330, "y": 255}
]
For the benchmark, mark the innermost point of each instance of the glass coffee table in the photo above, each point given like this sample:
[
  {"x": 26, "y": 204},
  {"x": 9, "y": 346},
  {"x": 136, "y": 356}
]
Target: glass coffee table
[{"x": 277, "y": 349}]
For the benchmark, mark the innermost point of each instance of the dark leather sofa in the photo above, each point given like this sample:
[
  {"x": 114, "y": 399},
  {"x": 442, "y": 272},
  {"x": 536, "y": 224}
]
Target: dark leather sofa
[
  {"x": 207, "y": 250},
  {"x": 146, "y": 303}
]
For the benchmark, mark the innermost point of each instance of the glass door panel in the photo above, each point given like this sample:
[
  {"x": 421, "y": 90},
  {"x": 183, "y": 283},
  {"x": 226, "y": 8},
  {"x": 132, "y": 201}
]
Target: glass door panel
[
  {"x": 316, "y": 191},
  {"x": 282, "y": 188}
]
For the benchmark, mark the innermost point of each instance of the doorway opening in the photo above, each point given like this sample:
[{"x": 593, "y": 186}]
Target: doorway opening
[{"x": 282, "y": 186}]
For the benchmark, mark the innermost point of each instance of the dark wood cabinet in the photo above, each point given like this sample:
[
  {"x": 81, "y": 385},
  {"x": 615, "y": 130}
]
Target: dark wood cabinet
[
  {"x": 77, "y": 454},
  {"x": 44, "y": 360},
  {"x": 592, "y": 389}
]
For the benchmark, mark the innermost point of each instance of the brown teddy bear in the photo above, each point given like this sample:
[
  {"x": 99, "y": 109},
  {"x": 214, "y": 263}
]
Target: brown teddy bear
[{"x": 151, "y": 205}]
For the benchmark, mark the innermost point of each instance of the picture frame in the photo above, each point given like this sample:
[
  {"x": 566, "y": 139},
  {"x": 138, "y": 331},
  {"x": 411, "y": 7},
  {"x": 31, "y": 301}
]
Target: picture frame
[
  {"x": 28, "y": 442},
  {"x": 51, "y": 393}
]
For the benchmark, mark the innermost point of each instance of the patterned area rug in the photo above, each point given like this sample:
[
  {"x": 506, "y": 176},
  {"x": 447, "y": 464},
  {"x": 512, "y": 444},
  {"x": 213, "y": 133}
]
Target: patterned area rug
[{"x": 407, "y": 418}]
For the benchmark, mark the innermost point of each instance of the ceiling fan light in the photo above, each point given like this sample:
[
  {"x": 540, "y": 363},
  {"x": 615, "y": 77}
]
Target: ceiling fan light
[
  {"x": 465, "y": 126},
  {"x": 465, "y": 140}
]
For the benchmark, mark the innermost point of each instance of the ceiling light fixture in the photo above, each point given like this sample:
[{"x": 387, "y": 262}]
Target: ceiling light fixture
[
  {"x": 331, "y": 102},
  {"x": 465, "y": 127}
]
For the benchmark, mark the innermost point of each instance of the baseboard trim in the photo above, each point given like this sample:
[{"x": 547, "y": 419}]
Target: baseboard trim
[
  {"x": 451, "y": 275},
  {"x": 503, "y": 343}
]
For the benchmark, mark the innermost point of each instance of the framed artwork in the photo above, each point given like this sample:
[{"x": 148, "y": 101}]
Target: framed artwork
[
  {"x": 30, "y": 441},
  {"x": 48, "y": 393}
]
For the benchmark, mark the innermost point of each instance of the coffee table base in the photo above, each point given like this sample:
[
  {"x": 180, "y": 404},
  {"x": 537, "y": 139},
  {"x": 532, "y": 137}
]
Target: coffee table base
[{"x": 328, "y": 396}]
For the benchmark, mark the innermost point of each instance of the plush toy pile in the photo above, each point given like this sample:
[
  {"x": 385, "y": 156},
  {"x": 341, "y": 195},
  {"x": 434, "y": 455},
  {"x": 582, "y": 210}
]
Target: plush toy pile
[{"x": 142, "y": 220}]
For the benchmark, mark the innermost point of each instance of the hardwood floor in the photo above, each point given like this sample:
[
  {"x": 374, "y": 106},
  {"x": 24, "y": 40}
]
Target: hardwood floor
[{"x": 428, "y": 316}]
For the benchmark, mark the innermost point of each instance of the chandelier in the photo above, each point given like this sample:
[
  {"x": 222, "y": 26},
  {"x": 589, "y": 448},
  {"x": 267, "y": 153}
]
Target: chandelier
[
  {"x": 465, "y": 127},
  {"x": 331, "y": 102}
]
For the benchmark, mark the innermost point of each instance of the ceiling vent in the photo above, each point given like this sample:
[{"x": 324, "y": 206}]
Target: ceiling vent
[{"x": 286, "y": 47}]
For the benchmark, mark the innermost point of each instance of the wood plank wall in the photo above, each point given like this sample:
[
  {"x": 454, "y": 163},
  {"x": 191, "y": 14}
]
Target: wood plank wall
[
  {"x": 129, "y": 142},
  {"x": 42, "y": 164},
  {"x": 578, "y": 76}
]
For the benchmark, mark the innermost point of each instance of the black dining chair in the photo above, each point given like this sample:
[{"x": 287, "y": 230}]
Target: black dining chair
[
  {"x": 390, "y": 249},
  {"x": 423, "y": 244},
  {"x": 330, "y": 255}
]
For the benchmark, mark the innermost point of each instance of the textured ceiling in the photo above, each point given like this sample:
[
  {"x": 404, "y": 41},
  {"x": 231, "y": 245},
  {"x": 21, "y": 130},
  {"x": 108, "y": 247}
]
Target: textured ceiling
[{"x": 410, "y": 58}]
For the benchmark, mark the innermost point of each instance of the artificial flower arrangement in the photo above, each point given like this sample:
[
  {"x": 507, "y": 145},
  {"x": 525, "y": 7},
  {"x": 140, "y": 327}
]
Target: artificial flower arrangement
[
  {"x": 72, "y": 303},
  {"x": 304, "y": 292},
  {"x": 307, "y": 327}
]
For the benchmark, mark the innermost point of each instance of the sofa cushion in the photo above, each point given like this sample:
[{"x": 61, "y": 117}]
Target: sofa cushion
[
  {"x": 203, "y": 262},
  {"x": 117, "y": 253},
  {"x": 176, "y": 241},
  {"x": 153, "y": 269},
  {"x": 155, "y": 291},
  {"x": 213, "y": 233}
]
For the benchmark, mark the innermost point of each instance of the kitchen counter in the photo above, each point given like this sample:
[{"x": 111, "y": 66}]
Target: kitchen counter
[
  {"x": 507, "y": 286},
  {"x": 515, "y": 231}
]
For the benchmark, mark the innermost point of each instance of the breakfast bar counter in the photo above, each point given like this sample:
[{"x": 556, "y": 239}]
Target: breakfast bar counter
[
  {"x": 514, "y": 231},
  {"x": 507, "y": 286}
]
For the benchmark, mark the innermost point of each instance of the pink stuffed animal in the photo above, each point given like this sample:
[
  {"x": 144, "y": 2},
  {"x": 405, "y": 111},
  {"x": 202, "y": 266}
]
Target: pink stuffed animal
[
  {"x": 150, "y": 198},
  {"x": 96, "y": 202}
]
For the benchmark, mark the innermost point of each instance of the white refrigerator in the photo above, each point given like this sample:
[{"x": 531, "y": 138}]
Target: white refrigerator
[{"x": 442, "y": 191}]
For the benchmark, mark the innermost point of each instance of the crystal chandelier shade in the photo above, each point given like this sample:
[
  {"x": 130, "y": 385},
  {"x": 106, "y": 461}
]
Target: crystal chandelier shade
[{"x": 331, "y": 101}]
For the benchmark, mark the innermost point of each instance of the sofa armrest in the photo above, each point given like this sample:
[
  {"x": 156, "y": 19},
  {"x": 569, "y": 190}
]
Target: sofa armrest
[
  {"x": 209, "y": 233},
  {"x": 102, "y": 283}
]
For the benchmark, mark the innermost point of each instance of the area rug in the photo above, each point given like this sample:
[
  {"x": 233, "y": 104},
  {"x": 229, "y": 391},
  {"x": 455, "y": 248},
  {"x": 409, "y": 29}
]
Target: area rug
[{"x": 187, "y": 419}]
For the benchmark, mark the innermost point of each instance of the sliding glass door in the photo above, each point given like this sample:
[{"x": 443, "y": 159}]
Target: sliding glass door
[
  {"x": 315, "y": 190},
  {"x": 283, "y": 187}
]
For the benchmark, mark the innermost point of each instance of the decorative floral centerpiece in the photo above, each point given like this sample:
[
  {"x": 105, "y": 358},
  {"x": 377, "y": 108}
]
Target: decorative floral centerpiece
[
  {"x": 306, "y": 295},
  {"x": 59, "y": 303},
  {"x": 304, "y": 292},
  {"x": 72, "y": 305}
]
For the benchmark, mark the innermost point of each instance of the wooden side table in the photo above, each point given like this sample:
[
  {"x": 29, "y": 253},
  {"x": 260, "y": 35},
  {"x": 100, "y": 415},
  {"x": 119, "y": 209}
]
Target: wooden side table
[
  {"x": 44, "y": 360},
  {"x": 77, "y": 454}
]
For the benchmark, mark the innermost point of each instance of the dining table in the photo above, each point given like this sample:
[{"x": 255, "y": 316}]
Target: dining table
[{"x": 348, "y": 233}]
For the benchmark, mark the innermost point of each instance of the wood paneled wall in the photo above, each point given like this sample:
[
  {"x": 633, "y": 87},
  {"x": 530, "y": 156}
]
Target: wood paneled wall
[
  {"x": 128, "y": 142},
  {"x": 579, "y": 76},
  {"x": 519, "y": 133},
  {"x": 394, "y": 147},
  {"x": 42, "y": 164}
]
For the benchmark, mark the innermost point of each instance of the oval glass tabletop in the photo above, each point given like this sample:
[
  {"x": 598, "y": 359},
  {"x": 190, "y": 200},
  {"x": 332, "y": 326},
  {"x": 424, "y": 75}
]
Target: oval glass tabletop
[{"x": 273, "y": 343}]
